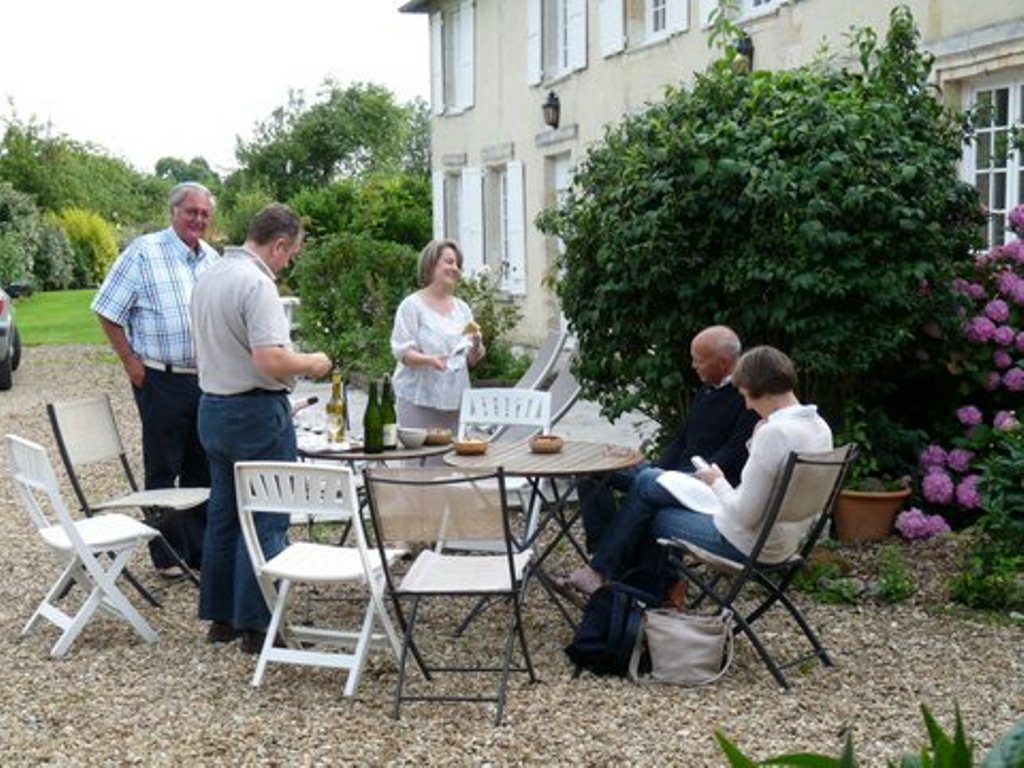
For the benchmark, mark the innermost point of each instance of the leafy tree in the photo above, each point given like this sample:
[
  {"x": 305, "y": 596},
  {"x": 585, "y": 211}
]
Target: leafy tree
[
  {"x": 396, "y": 209},
  {"x": 328, "y": 210},
  {"x": 818, "y": 210},
  {"x": 348, "y": 132},
  {"x": 54, "y": 264},
  {"x": 60, "y": 173},
  {"x": 176, "y": 170}
]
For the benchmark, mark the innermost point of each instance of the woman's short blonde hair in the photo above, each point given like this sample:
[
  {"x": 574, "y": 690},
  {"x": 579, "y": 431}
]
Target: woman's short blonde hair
[
  {"x": 764, "y": 371},
  {"x": 429, "y": 257}
]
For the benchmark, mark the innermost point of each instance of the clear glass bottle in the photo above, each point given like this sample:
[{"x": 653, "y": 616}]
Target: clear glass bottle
[
  {"x": 335, "y": 409},
  {"x": 373, "y": 425},
  {"x": 388, "y": 416}
]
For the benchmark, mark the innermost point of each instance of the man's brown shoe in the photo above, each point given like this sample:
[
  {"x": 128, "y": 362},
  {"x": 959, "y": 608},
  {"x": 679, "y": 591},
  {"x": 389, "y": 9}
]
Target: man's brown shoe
[{"x": 221, "y": 632}]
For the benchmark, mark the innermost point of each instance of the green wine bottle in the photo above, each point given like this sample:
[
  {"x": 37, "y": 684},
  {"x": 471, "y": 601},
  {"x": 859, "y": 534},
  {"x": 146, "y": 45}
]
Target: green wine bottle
[
  {"x": 373, "y": 425},
  {"x": 387, "y": 415}
]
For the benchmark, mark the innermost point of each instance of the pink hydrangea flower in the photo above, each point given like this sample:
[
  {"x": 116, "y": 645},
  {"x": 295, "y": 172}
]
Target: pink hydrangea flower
[
  {"x": 995, "y": 379},
  {"x": 959, "y": 459},
  {"x": 997, "y": 310},
  {"x": 937, "y": 487},
  {"x": 933, "y": 456},
  {"x": 1015, "y": 251},
  {"x": 1006, "y": 282},
  {"x": 1005, "y": 420},
  {"x": 1019, "y": 342},
  {"x": 1004, "y": 335},
  {"x": 967, "y": 495},
  {"x": 979, "y": 329},
  {"x": 1013, "y": 379},
  {"x": 1015, "y": 219},
  {"x": 976, "y": 291},
  {"x": 1001, "y": 359},
  {"x": 969, "y": 415},
  {"x": 914, "y": 524}
]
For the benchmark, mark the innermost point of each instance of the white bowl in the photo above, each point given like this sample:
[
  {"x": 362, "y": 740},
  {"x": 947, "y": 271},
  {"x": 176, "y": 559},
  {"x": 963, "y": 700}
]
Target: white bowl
[{"x": 411, "y": 437}]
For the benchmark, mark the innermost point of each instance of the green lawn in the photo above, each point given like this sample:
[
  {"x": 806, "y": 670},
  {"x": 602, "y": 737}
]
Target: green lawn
[{"x": 58, "y": 317}]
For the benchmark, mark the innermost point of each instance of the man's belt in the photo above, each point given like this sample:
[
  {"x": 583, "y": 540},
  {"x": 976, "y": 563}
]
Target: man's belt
[{"x": 168, "y": 368}]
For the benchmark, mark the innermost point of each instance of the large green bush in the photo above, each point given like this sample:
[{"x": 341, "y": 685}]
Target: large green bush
[
  {"x": 350, "y": 286},
  {"x": 54, "y": 263},
  {"x": 814, "y": 209},
  {"x": 19, "y": 234},
  {"x": 93, "y": 242}
]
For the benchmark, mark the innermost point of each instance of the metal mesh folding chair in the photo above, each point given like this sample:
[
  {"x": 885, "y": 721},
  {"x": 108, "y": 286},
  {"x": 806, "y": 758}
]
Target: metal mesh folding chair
[
  {"x": 427, "y": 506},
  {"x": 803, "y": 498},
  {"x": 87, "y": 434},
  {"x": 544, "y": 360},
  {"x": 93, "y": 551}
]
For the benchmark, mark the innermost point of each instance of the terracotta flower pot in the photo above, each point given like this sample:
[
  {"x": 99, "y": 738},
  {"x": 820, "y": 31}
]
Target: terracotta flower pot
[{"x": 867, "y": 515}]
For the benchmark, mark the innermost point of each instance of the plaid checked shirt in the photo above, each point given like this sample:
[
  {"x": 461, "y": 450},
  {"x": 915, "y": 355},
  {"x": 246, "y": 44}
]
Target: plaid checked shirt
[{"x": 147, "y": 292}]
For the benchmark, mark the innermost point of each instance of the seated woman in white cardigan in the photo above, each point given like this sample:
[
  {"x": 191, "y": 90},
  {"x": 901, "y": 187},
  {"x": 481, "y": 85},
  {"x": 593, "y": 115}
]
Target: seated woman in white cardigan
[{"x": 766, "y": 378}]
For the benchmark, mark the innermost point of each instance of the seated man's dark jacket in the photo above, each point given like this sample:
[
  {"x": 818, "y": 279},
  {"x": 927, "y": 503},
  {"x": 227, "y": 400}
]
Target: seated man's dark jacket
[{"x": 717, "y": 429}]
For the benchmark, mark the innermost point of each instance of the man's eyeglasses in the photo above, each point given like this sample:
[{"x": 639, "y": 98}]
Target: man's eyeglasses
[{"x": 196, "y": 213}]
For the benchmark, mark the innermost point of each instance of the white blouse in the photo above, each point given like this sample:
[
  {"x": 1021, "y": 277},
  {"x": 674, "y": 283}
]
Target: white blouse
[{"x": 418, "y": 326}]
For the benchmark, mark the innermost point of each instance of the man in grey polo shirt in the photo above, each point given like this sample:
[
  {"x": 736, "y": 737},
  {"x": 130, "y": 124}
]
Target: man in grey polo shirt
[{"x": 246, "y": 368}]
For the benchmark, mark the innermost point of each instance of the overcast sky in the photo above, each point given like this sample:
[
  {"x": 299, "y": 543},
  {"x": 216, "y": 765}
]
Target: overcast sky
[{"x": 145, "y": 79}]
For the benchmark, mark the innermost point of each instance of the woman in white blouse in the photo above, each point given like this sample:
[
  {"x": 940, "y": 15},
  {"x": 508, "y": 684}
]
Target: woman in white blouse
[{"x": 435, "y": 341}]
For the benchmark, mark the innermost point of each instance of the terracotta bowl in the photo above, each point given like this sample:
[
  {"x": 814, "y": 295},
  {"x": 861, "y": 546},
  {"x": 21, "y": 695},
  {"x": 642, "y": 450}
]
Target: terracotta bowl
[
  {"x": 438, "y": 436},
  {"x": 546, "y": 443},
  {"x": 470, "y": 447}
]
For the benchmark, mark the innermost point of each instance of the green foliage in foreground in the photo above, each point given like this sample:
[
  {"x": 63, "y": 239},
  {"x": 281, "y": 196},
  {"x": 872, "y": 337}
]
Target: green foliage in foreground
[
  {"x": 942, "y": 751},
  {"x": 58, "y": 317}
]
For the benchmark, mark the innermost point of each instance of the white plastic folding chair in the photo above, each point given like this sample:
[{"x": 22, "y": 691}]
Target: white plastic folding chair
[
  {"x": 87, "y": 434},
  {"x": 314, "y": 490},
  {"x": 489, "y": 407},
  {"x": 77, "y": 545}
]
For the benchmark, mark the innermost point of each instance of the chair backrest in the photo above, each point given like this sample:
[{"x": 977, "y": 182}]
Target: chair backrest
[
  {"x": 565, "y": 390},
  {"x": 87, "y": 434},
  {"x": 292, "y": 488},
  {"x": 35, "y": 481},
  {"x": 505, "y": 407},
  {"x": 545, "y": 358},
  {"x": 804, "y": 495},
  {"x": 431, "y": 505}
]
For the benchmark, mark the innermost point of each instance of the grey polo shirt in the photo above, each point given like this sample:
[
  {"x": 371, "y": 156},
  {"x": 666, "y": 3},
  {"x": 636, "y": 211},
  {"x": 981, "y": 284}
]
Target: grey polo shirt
[{"x": 235, "y": 308}]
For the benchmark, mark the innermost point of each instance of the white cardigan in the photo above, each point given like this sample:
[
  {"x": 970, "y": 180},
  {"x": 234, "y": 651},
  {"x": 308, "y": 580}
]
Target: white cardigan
[{"x": 795, "y": 428}]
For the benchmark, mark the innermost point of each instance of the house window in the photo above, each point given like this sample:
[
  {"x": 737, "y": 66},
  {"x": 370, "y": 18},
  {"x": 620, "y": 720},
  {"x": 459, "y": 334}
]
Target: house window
[
  {"x": 496, "y": 218},
  {"x": 505, "y": 226},
  {"x": 990, "y": 162},
  {"x": 451, "y": 57},
  {"x": 753, "y": 7},
  {"x": 657, "y": 18},
  {"x": 556, "y": 38}
]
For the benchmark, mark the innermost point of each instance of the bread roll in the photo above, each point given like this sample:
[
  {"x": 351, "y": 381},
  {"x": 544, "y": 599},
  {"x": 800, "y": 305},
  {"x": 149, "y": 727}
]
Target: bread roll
[{"x": 471, "y": 328}]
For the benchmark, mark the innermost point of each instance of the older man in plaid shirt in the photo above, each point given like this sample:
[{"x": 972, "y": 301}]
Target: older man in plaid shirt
[{"x": 143, "y": 309}]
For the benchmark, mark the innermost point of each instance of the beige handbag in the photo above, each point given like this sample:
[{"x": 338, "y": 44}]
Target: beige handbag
[{"x": 684, "y": 649}]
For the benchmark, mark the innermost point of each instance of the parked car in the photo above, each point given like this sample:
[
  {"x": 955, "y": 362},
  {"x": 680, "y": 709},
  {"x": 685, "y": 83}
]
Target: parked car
[{"x": 10, "y": 341}]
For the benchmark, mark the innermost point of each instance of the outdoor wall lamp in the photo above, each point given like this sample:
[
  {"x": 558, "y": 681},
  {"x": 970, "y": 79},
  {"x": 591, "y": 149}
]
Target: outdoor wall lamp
[
  {"x": 552, "y": 109},
  {"x": 745, "y": 51}
]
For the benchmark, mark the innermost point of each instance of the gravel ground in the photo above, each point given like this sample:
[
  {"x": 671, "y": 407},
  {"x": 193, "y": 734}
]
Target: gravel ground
[{"x": 115, "y": 700}]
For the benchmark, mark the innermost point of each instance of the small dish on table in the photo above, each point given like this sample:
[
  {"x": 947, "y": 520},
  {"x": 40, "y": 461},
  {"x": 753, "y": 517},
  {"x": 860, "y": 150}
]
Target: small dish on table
[
  {"x": 546, "y": 443},
  {"x": 438, "y": 436},
  {"x": 412, "y": 437},
  {"x": 470, "y": 447}
]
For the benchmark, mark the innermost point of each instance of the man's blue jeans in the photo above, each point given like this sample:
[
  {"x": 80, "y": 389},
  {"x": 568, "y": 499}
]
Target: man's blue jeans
[{"x": 255, "y": 426}]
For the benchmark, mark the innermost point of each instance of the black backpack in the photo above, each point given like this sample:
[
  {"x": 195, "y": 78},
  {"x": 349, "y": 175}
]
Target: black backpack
[{"x": 606, "y": 635}]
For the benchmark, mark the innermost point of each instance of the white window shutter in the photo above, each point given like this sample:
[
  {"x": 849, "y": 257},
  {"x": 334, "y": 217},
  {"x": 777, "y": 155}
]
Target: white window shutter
[
  {"x": 471, "y": 219},
  {"x": 514, "y": 274},
  {"x": 437, "y": 63},
  {"x": 705, "y": 9},
  {"x": 577, "y": 34},
  {"x": 437, "y": 200},
  {"x": 464, "y": 97},
  {"x": 534, "y": 47},
  {"x": 613, "y": 27},
  {"x": 678, "y": 15}
]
